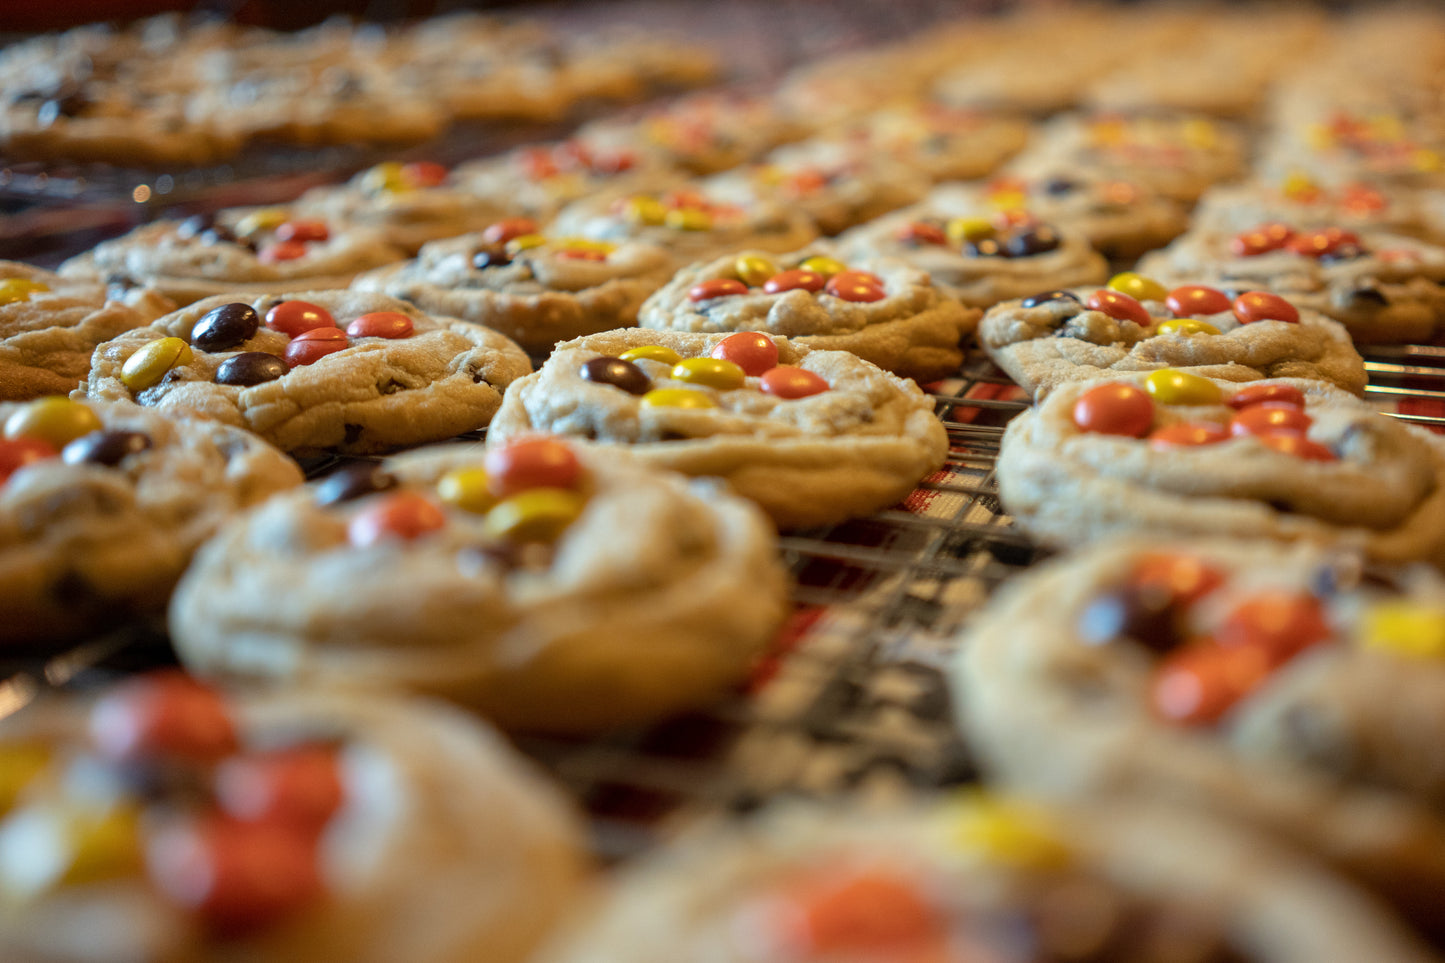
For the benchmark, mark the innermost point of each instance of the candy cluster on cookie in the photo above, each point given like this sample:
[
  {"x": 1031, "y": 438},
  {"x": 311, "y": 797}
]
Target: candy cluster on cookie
[
  {"x": 56, "y": 427},
  {"x": 732, "y": 362},
  {"x": 816, "y": 275},
  {"x": 505, "y": 239},
  {"x": 1008, "y": 235}
]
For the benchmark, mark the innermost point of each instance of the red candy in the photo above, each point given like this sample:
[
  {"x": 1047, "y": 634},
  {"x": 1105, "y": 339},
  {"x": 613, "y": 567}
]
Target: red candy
[
  {"x": 1252, "y": 306},
  {"x": 1261, "y": 240},
  {"x": 1192, "y": 300},
  {"x": 1115, "y": 409},
  {"x": 786, "y": 381},
  {"x": 283, "y": 251},
  {"x": 755, "y": 353},
  {"x": 1185, "y": 578},
  {"x": 582, "y": 254},
  {"x": 869, "y": 913},
  {"x": 795, "y": 280},
  {"x": 1278, "y": 623},
  {"x": 239, "y": 877},
  {"x": 1119, "y": 306},
  {"x": 508, "y": 228},
  {"x": 1198, "y": 684},
  {"x": 716, "y": 288},
  {"x": 531, "y": 463},
  {"x": 311, "y": 346},
  {"x": 684, "y": 199},
  {"x": 919, "y": 232},
  {"x": 304, "y": 231},
  {"x": 856, "y": 286},
  {"x": 16, "y": 453},
  {"x": 1291, "y": 443},
  {"x": 1263, "y": 419},
  {"x": 1188, "y": 435},
  {"x": 381, "y": 324},
  {"x": 405, "y": 515},
  {"x": 293, "y": 317},
  {"x": 424, "y": 173},
  {"x": 1258, "y": 394},
  {"x": 1321, "y": 242},
  {"x": 164, "y": 713},
  {"x": 299, "y": 787}
]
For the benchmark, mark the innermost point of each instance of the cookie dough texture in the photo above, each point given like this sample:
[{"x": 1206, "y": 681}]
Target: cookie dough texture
[
  {"x": 46, "y": 340},
  {"x": 537, "y": 299},
  {"x": 854, "y": 449},
  {"x": 445, "y": 379},
  {"x": 406, "y": 218},
  {"x": 916, "y": 331},
  {"x": 448, "y": 849},
  {"x": 656, "y": 599},
  {"x": 1061, "y": 340},
  {"x": 186, "y": 268},
  {"x": 86, "y": 546},
  {"x": 707, "y": 895},
  {"x": 1383, "y": 496},
  {"x": 1335, "y": 752}
]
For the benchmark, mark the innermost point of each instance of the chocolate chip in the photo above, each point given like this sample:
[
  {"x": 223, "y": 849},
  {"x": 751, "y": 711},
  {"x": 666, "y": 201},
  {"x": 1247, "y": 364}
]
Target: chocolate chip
[
  {"x": 353, "y": 482},
  {"x": 1344, "y": 252},
  {"x": 352, "y": 434},
  {"x": 1058, "y": 186},
  {"x": 250, "y": 368},
  {"x": 618, "y": 373},
  {"x": 1035, "y": 240},
  {"x": 105, "y": 447},
  {"x": 1038, "y": 299},
  {"x": 225, "y": 327}
]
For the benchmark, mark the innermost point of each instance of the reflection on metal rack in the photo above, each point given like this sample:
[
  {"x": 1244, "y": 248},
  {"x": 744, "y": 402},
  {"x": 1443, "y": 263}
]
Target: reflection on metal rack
[{"x": 1409, "y": 380}]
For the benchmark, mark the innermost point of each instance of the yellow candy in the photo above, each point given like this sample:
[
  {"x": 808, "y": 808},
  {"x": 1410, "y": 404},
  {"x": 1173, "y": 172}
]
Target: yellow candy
[
  {"x": 645, "y": 210},
  {"x": 466, "y": 488},
  {"x": 1008, "y": 832},
  {"x": 103, "y": 845},
  {"x": 1406, "y": 628},
  {"x": 1386, "y": 127},
  {"x": 265, "y": 219},
  {"x": 713, "y": 372},
  {"x": 19, "y": 289},
  {"x": 688, "y": 219},
  {"x": 769, "y": 175},
  {"x": 1299, "y": 186},
  {"x": 149, "y": 365},
  {"x": 1187, "y": 326},
  {"x": 961, "y": 229},
  {"x": 55, "y": 419},
  {"x": 535, "y": 515},
  {"x": 585, "y": 244},
  {"x": 1200, "y": 133},
  {"x": 525, "y": 243},
  {"x": 652, "y": 352},
  {"x": 387, "y": 177},
  {"x": 677, "y": 398},
  {"x": 825, "y": 266},
  {"x": 754, "y": 269},
  {"x": 1008, "y": 200},
  {"x": 1319, "y": 137},
  {"x": 20, "y": 764},
  {"x": 1170, "y": 387},
  {"x": 1427, "y": 161},
  {"x": 1138, "y": 287}
]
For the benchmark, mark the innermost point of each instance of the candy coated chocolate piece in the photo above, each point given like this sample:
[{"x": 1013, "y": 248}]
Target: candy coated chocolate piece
[
  {"x": 688, "y": 219},
  {"x": 534, "y": 515},
  {"x": 753, "y": 352},
  {"x": 1186, "y": 326},
  {"x": 1198, "y": 684},
  {"x": 250, "y": 368},
  {"x": 298, "y": 787},
  {"x": 1190, "y": 300},
  {"x": 1146, "y": 614},
  {"x": 789, "y": 382},
  {"x": 223, "y": 328},
  {"x": 54, "y": 420},
  {"x": 1253, "y": 306},
  {"x": 618, "y": 373},
  {"x": 402, "y": 515},
  {"x": 1265, "y": 418},
  {"x": 1119, "y": 306},
  {"x": 352, "y": 482},
  {"x": 754, "y": 269},
  {"x": 961, "y": 229},
  {"x": 149, "y": 365},
  {"x": 1323, "y": 241},
  {"x": 311, "y": 346},
  {"x": 508, "y": 229},
  {"x": 825, "y": 266},
  {"x": 282, "y": 251},
  {"x": 423, "y": 174},
  {"x": 381, "y": 324},
  {"x": 532, "y": 462},
  {"x": 713, "y": 372},
  {"x": 1261, "y": 240},
  {"x": 1296, "y": 444},
  {"x": 1038, "y": 299},
  {"x": 1185, "y": 578},
  {"x": 469, "y": 489},
  {"x": 581, "y": 254},
  {"x": 162, "y": 714},
  {"x": 16, "y": 453},
  {"x": 1280, "y": 623},
  {"x": 922, "y": 232},
  {"x": 1115, "y": 408},
  {"x": 652, "y": 352},
  {"x": 525, "y": 242},
  {"x": 293, "y": 317},
  {"x": 1039, "y": 239},
  {"x": 107, "y": 448},
  {"x": 796, "y": 279},
  {"x": 1169, "y": 386},
  {"x": 861, "y": 912},
  {"x": 1188, "y": 435},
  {"x": 716, "y": 288},
  {"x": 304, "y": 231},
  {"x": 1138, "y": 287},
  {"x": 677, "y": 398},
  {"x": 1262, "y": 392}
]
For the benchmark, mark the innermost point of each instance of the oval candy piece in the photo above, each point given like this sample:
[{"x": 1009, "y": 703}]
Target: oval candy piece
[
  {"x": 293, "y": 317},
  {"x": 404, "y": 515},
  {"x": 1119, "y": 306},
  {"x": 754, "y": 269},
  {"x": 352, "y": 482},
  {"x": 789, "y": 382},
  {"x": 1138, "y": 287},
  {"x": 311, "y": 346},
  {"x": 149, "y": 365},
  {"x": 381, "y": 324},
  {"x": 1186, "y": 326},
  {"x": 795, "y": 280},
  {"x": 677, "y": 398},
  {"x": 1262, "y": 419},
  {"x": 223, "y": 328},
  {"x": 108, "y": 448},
  {"x": 16, "y": 453},
  {"x": 305, "y": 232},
  {"x": 752, "y": 351},
  {"x": 1115, "y": 408},
  {"x": 1296, "y": 444},
  {"x": 531, "y": 462},
  {"x": 1036, "y": 300},
  {"x": 54, "y": 420},
  {"x": 1188, "y": 435},
  {"x": 509, "y": 228},
  {"x": 250, "y": 368},
  {"x": 652, "y": 352},
  {"x": 716, "y": 288},
  {"x": 716, "y": 373},
  {"x": 618, "y": 373},
  {"x": 856, "y": 286},
  {"x": 469, "y": 489},
  {"x": 1253, "y": 306},
  {"x": 1169, "y": 386},
  {"x": 1190, "y": 300},
  {"x": 534, "y": 515},
  {"x": 1262, "y": 392}
]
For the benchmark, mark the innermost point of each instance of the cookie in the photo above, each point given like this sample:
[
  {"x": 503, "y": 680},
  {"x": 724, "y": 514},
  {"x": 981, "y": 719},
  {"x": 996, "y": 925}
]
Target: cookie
[
  {"x": 688, "y": 222},
  {"x": 548, "y": 585},
  {"x": 347, "y": 371},
  {"x": 49, "y": 327},
  {"x": 943, "y": 143},
  {"x": 1282, "y": 460},
  {"x": 1122, "y": 669},
  {"x": 101, "y": 507},
  {"x": 836, "y": 184},
  {"x": 1384, "y": 288},
  {"x": 978, "y": 877},
  {"x": 1136, "y": 324},
  {"x": 163, "y": 820},
  {"x": 534, "y": 289},
  {"x": 261, "y": 251},
  {"x": 701, "y": 133},
  {"x": 814, "y": 437},
  {"x": 1299, "y": 201},
  {"x": 885, "y": 312},
  {"x": 980, "y": 261}
]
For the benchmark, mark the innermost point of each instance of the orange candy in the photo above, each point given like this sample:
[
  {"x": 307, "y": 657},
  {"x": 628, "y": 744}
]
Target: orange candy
[
  {"x": 536, "y": 462},
  {"x": 1252, "y": 306},
  {"x": 381, "y": 324},
  {"x": 404, "y": 515},
  {"x": 1115, "y": 409},
  {"x": 1291, "y": 443},
  {"x": 752, "y": 351},
  {"x": 863, "y": 912},
  {"x": 1118, "y": 306},
  {"x": 299, "y": 787},
  {"x": 1262, "y": 419},
  {"x": 1279, "y": 623},
  {"x": 1188, "y": 435},
  {"x": 16, "y": 453},
  {"x": 161, "y": 714},
  {"x": 786, "y": 381},
  {"x": 1264, "y": 392},
  {"x": 1198, "y": 684}
]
